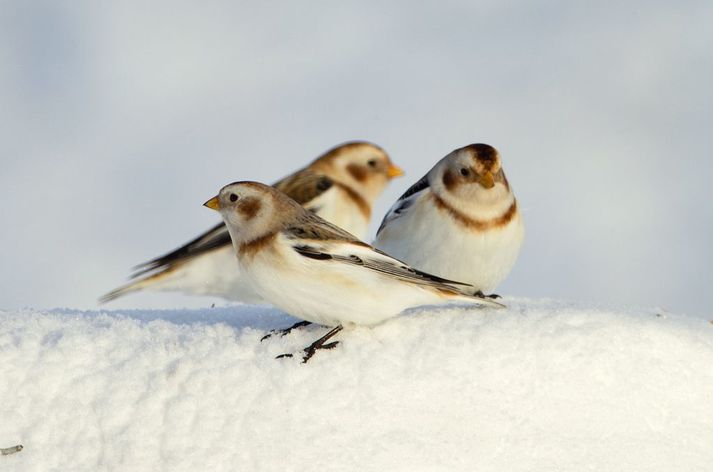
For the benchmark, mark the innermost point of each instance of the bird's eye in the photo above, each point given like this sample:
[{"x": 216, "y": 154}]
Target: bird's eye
[
  {"x": 372, "y": 163},
  {"x": 233, "y": 197},
  {"x": 464, "y": 172}
]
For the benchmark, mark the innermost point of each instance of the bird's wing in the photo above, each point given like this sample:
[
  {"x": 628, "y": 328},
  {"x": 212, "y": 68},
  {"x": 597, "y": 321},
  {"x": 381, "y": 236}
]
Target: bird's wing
[
  {"x": 404, "y": 202},
  {"x": 304, "y": 186},
  {"x": 214, "y": 238},
  {"x": 311, "y": 227},
  {"x": 369, "y": 258},
  {"x": 362, "y": 255}
]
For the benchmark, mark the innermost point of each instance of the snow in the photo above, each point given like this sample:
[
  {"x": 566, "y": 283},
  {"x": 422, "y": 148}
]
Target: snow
[{"x": 541, "y": 386}]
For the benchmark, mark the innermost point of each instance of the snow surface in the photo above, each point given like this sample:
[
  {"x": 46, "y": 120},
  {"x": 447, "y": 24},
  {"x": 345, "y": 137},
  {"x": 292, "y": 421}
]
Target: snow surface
[{"x": 541, "y": 386}]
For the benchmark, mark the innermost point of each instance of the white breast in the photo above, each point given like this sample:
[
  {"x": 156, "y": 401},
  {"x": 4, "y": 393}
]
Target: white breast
[{"x": 429, "y": 239}]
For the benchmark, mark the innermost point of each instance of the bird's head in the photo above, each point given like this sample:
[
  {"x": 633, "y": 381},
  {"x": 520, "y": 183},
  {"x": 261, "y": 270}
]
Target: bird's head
[
  {"x": 471, "y": 178},
  {"x": 362, "y": 166},
  {"x": 251, "y": 209}
]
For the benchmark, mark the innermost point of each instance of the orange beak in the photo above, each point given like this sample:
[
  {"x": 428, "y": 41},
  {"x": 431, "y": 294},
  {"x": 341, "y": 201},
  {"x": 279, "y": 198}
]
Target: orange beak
[
  {"x": 213, "y": 204},
  {"x": 394, "y": 171},
  {"x": 487, "y": 180}
]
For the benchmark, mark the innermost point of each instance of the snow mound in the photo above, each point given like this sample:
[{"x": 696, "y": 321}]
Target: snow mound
[{"x": 541, "y": 386}]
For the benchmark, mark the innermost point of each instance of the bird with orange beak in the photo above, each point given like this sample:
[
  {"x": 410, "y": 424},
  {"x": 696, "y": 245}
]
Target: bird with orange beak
[
  {"x": 341, "y": 186},
  {"x": 461, "y": 221}
]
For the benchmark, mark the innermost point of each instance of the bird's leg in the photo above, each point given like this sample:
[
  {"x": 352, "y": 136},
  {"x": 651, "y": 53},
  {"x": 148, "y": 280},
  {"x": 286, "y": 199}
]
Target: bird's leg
[
  {"x": 480, "y": 294},
  {"x": 283, "y": 332},
  {"x": 321, "y": 343}
]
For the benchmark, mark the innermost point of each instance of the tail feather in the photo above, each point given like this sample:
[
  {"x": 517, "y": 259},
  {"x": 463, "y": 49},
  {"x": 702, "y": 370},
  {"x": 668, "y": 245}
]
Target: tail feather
[
  {"x": 136, "y": 285},
  {"x": 120, "y": 292},
  {"x": 462, "y": 294},
  {"x": 479, "y": 300}
]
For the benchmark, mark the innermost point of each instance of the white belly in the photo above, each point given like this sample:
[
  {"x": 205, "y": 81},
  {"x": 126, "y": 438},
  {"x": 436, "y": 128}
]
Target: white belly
[{"x": 429, "y": 240}]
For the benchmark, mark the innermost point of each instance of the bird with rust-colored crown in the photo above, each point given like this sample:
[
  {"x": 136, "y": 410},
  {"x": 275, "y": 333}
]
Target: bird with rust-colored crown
[
  {"x": 460, "y": 221},
  {"x": 341, "y": 186}
]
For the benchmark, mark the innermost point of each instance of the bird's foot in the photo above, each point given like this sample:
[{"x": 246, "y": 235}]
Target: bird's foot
[
  {"x": 311, "y": 350},
  {"x": 321, "y": 343},
  {"x": 493, "y": 296},
  {"x": 283, "y": 332}
]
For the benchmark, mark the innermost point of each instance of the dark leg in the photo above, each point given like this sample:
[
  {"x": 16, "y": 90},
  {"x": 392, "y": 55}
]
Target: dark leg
[
  {"x": 285, "y": 331},
  {"x": 480, "y": 294},
  {"x": 321, "y": 343}
]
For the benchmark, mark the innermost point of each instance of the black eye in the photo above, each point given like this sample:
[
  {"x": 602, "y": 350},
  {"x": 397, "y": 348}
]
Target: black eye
[
  {"x": 464, "y": 172},
  {"x": 372, "y": 163},
  {"x": 233, "y": 197}
]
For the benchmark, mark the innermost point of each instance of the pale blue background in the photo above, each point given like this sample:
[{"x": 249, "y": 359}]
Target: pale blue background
[{"x": 119, "y": 119}]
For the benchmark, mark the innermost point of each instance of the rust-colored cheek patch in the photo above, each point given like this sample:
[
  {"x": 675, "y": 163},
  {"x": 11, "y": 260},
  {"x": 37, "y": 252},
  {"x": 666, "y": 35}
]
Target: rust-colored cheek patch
[
  {"x": 249, "y": 207},
  {"x": 357, "y": 171},
  {"x": 449, "y": 180}
]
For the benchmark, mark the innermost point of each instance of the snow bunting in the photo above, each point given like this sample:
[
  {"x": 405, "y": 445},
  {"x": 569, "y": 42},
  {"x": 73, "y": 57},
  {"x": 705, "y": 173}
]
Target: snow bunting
[
  {"x": 460, "y": 221},
  {"x": 341, "y": 186},
  {"x": 317, "y": 271}
]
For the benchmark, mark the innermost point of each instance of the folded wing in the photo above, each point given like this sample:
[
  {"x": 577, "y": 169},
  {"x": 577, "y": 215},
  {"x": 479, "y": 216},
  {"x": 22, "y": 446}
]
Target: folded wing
[
  {"x": 404, "y": 202},
  {"x": 362, "y": 255}
]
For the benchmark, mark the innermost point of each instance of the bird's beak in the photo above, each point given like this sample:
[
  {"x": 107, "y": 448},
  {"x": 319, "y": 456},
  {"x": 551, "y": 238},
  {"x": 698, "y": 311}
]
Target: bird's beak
[
  {"x": 487, "y": 180},
  {"x": 394, "y": 171},
  {"x": 213, "y": 204}
]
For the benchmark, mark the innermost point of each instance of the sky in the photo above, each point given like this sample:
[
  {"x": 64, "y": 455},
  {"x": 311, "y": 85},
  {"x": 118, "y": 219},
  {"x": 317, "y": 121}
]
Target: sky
[{"x": 119, "y": 119}]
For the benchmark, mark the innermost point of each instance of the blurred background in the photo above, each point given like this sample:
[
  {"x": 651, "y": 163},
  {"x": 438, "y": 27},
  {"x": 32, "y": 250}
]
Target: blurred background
[{"x": 119, "y": 119}]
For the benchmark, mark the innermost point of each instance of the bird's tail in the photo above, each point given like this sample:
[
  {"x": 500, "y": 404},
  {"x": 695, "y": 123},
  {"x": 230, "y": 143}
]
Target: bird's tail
[
  {"x": 459, "y": 294},
  {"x": 136, "y": 285}
]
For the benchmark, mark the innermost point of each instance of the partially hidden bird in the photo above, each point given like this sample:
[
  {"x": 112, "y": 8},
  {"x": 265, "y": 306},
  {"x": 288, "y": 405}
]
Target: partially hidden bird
[{"x": 341, "y": 186}]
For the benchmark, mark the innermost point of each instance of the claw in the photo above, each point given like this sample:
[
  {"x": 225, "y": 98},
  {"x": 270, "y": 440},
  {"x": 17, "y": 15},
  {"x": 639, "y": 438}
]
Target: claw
[
  {"x": 321, "y": 343},
  {"x": 285, "y": 331},
  {"x": 312, "y": 351}
]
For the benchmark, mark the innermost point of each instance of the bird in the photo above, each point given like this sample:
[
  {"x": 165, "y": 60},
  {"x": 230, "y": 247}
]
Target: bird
[
  {"x": 318, "y": 272},
  {"x": 460, "y": 221},
  {"x": 341, "y": 186}
]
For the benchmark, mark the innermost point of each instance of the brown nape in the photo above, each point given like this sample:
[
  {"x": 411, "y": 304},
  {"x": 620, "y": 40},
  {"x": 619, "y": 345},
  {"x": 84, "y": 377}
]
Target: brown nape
[
  {"x": 354, "y": 196},
  {"x": 477, "y": 225},
  {"x": 449, "y": 180},
  {"x": 251, "y": 248},
  {"x": 357, "y": 171},
  {"x": 249, "y": 207}
]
